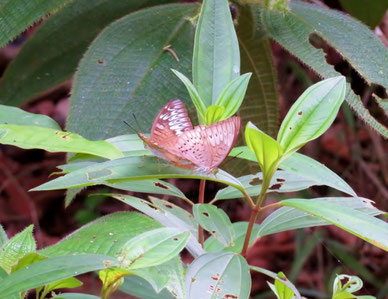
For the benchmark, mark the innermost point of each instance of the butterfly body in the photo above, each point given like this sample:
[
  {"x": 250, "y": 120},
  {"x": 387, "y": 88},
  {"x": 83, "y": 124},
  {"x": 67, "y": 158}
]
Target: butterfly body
[{"x": 202, "y": 148}]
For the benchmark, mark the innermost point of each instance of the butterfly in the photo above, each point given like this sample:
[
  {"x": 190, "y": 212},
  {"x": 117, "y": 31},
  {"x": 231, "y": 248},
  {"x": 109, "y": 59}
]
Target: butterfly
[{"x": 201, "y": 148}]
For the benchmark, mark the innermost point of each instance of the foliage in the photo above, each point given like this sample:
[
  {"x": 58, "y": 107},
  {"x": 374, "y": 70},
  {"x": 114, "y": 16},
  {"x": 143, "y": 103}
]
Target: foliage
[{"x": 128, "y": 67}]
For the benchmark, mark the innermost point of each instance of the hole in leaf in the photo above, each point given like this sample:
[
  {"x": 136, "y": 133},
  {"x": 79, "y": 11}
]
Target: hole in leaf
[
  {"x": 167, "y": 205},
  {"x": 176, "y": 239},
  {"x": 206, "y": 214},
  {"x": 230, "y": 296},
  {"x": 100, "y": 61},
  {"x": 255, "y": 181},
  {"x": 276, "y": 186},
  {"x": 160, "y": 185},
  {"x": 280, "y": 180},
  {"x": 300, "y": 113}
]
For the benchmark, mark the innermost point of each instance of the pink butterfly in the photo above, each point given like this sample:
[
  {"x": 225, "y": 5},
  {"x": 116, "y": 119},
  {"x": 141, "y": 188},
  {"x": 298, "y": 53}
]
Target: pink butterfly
[{"x": 202, "y": 148}]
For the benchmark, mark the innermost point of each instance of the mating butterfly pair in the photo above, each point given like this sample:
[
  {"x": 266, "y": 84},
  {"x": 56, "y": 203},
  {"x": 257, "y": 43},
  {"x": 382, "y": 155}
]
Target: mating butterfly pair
[{"x": 201, "y": 148}]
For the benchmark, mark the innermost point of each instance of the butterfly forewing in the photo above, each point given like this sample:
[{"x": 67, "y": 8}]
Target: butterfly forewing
[{"x": 171, "y": 122}]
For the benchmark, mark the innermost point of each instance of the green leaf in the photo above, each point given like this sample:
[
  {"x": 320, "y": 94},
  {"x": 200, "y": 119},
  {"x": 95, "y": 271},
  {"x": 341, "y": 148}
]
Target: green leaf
[
  {"x": 216, "y": 222},
  {"x": 312, "y": 114},
  {"x": 42, "y": 64},
  {"x": 302, "y": 166},
  {"x": 233, "y": 94},
  {"x": 352, "y": 284},
  {"x": 369, "y": 12},
  {"x": 130, "y": 168},
  {"x": 267, "y": 150},
  {"x": 275, "y": 276},
  {"x": 16, "y": 116},
  {"x": 213, "y": 114},
  {"x": 17, "y": 15},
  {"x": 260, "y": 104},
  {"x": 153, "y": 247},
  {"x": 55, "y": 141},
  {"x": 216, "y": 57},
  {"x": 293, "y": 31},
  {"x": 15, "y": 248},
  {"x": 133, "y": 77},
  {"x": 139, "y": 287},
  {"x": 107, "y": 235},
  {"x": 311, "y": 169},
  {"x": 4, "y": 274},
  {"x": 282, "y": 181},
  {"x": 168, "y": 215},
  {"x": 149, "y": 186},
  {"x": 3, "y": 236},
  {"x": 216, "y": 275},
  {"x": 67, "y": 283},
  {"x": 53, "y": 269},
  {"x": 240, "y": 229},
  {"x": 362, "y": 225},
  {"x": 288, "y": 218},
  {"x": 194, "y": 95},
  {"x": 27, "y": 259},
  {"x": 283, "y": 291},
  {"x": 75, "y": 296}
]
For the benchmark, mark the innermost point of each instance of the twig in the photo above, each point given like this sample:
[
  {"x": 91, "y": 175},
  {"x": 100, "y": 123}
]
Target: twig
[{"x": 201, "y": 199}]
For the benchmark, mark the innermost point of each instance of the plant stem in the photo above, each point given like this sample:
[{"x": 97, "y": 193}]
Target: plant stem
[
  {"x": 252, "y": 219},
  {"x": 201, "y": 199}
]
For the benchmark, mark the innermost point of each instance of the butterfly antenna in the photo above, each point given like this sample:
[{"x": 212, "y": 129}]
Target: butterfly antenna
[
  {"x": 137, "y": 123},
  {"x": 231, "y": 159},
  {"x": 132, "y": 128}
]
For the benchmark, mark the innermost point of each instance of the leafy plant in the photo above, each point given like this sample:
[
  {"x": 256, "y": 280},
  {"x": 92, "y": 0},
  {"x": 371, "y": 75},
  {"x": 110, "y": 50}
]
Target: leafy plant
[{"x": 130, "y": 249}]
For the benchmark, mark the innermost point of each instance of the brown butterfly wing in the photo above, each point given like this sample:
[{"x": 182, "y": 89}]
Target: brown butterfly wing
[
  {"x": 171, "y": 122},
  {"x": 208, "y": 146}
]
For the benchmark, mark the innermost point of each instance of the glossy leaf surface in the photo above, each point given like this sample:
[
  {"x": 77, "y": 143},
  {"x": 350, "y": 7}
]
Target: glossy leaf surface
[
  {"x": 16, "y": 116},
  {"x": 362, "y": 225},
  {"x": 132, "y": 77},
  {"x": 216, "y": 222},
  {"x": 303, "y": 166},
  {"x": 130, "y": 168},
  {"x": 240, "y": 229},
  {"x": 214, "y": 275},
  {"x": 153, "y": 247},
  {"x": 53, "y": 269},
  {"x": 216, "y": 57},
  {"x": 312, "y": 114},
  {"x": 104, "y": 236},
  {"x": 288, "y": 218},
  {"x": 51, "y": 140}
]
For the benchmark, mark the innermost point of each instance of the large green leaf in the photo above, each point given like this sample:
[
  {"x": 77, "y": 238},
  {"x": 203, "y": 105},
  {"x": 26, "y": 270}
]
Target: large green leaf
[
  {"x": 305, "y": 167},
  {"x": 16, "y": 116},
  {"x": 168, "y": 215},
  {"x": 42, "y": 64},
  {"x": 153, "y": 247},
  {"x": 260, "y": 104},
  {"x": 370, "y": 12},
  {"x": 17, "y": 15},
  {"x": 55, "y": 141},
  {"x": 75, "y": 296},
  {"x": 349, "y": 37},
  {"x": 15, "y": 248},
  {"x": 312, "y": 114},
  {"x": 362, "y": 225},
  {"x": 139, "y": 287},
  {"x": 53, "y": 269},
  {"x": 127, "y": 70},
  {"x": 131, "y": 168},
  {"x": 215, "y": 221},
  {"x": 217, "y": 275},
  {"x": 216, "y": 57},
  {"x": 106, "y": 236},
  {"x": 288, "y": 218}
]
